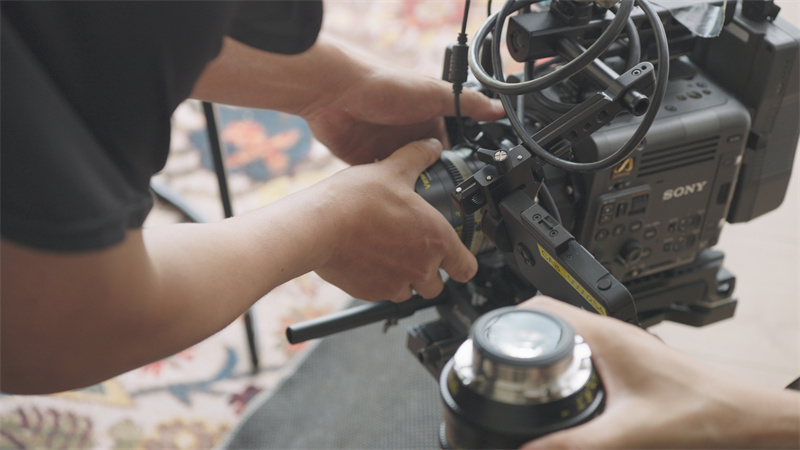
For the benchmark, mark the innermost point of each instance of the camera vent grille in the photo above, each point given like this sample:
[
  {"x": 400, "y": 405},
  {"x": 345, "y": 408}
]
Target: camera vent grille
[{"x": 678, "y": 156}]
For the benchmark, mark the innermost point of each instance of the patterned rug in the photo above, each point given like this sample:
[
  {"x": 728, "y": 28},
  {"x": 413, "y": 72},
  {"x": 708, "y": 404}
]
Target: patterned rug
[{"x": 190, "y": 400}]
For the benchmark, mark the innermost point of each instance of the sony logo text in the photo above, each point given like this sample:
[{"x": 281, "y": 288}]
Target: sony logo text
[{"x": 681, "y": 191}]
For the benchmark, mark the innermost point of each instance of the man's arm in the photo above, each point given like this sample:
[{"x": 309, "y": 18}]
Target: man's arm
[
  {"x": 362, "y": 109},
  {"x": 660, "y": 398},
  {"x": 73, "y": 319},
  {"x": 245, "y": 76},
  {"x": 70, "y": 320}
]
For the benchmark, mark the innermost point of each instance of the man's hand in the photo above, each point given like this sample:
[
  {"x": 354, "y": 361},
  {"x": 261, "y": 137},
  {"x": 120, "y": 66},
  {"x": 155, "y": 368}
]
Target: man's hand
[
  {"x": 361, "y": 109},
  {"x": 658, "y": 397},
  {"x": 379, "y": 109},
  {"x": 393, "y": 241}
]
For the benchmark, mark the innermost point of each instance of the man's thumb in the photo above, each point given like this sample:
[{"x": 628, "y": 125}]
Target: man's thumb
[{"x": 415, "y": 157}]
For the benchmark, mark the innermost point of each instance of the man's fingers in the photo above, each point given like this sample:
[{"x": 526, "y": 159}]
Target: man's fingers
[
  {"x": 603, "y": 334},
  {"x": 554, "y": 306},
  {"x": 460, "y": 263},
  {"x": 587, "y": 324},
  {"x": 597, "y": 433},
  {"x": 480, "y": 107},
  {"x": 412, "y": 159},
  {"x": 472, "y": 103},
  {"x": 402, "y": 294},
  {"x": 429, "y": 288}
]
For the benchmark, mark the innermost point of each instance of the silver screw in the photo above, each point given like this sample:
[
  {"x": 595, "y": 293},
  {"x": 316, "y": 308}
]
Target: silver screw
[
  {"x": 458, "y": 190},
  {"x": 500, "y": 155},
  {"x": 489, "y": 178}
]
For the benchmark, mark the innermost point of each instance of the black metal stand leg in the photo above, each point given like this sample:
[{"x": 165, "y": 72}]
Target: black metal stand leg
[
  {"x": 169, "y": 196},
  {"x": 219, "y": 168}
]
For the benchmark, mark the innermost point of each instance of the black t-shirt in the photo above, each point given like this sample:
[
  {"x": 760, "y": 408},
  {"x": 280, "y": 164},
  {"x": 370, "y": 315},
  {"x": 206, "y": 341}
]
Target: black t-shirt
[{"x": 88, "y": 89}]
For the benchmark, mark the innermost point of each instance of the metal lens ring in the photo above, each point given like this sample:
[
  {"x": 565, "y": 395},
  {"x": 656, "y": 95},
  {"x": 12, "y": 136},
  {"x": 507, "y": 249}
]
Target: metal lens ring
[{"x": 521, "y": 374}]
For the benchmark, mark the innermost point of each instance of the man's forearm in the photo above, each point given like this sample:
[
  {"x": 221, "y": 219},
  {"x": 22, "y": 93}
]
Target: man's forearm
[
  {"x": 770, "y": 419},
  {"x": 244, "y": 76},
  {"x": 71, "y": 320}
]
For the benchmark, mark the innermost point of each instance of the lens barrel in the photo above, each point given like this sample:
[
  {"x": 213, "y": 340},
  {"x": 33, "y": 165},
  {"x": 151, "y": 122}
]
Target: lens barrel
[
  {"x": 437, "y": 184},
  {"x": 520, "y": 375}
]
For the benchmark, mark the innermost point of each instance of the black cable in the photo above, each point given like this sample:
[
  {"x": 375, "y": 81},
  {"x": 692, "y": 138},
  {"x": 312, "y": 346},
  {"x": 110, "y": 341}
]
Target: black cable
[
  {"x": 547, "y": 201},
  {"x": 633, "y": 57},
  {"x": 638, "y": 135},
  {"x": 174, "y": 199},
  {"x": 464, "y": 21},
  {"x": 494, "y": 24},
  {"x": 558, "y": 106},
  {"x": 634, "y": 44},
  {"x": 458, "y": 73}
]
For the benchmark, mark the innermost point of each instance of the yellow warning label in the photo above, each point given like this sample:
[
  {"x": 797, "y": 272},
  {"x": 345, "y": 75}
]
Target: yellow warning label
[{"x": 572, "y": 281}]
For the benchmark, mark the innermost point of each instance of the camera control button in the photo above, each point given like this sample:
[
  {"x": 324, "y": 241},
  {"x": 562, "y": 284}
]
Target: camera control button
[
  {"x": 604, "y": 284},
  {"x": 631, "y": 252},
  {"x": 688, "y": 223},
  {"x": 607, "y": 213}
]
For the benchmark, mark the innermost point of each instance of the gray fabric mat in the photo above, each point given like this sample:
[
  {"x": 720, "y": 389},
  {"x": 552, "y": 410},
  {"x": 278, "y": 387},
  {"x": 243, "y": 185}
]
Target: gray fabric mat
[{"x": 360, "y": 389}]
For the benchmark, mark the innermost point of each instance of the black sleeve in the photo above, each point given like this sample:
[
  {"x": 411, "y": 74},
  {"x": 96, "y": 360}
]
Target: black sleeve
[
  {"x": 88, "y": 89},
  {"x": 60, "y": 189},
  {"x": 286, "y": 27}
]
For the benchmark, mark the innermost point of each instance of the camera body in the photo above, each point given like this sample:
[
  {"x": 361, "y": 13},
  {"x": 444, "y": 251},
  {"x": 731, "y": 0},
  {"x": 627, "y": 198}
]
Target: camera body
[
  {"x": 720, "y": 150},
  {"x": 632, "y": 239},
  {"x": 667, "y": 201}
]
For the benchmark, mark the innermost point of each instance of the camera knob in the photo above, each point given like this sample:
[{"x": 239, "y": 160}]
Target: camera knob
[
  {"x": 500, "y": 159},
  {"x": 630, "y": 253}
]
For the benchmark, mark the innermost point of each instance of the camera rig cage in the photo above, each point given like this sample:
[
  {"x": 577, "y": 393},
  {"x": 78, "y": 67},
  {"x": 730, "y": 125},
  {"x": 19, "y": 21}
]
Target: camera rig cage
[{"x": 610, "y": 180}]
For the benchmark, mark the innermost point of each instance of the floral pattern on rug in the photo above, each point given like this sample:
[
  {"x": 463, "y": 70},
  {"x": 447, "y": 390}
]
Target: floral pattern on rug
[{"x": 189, "y": 400}]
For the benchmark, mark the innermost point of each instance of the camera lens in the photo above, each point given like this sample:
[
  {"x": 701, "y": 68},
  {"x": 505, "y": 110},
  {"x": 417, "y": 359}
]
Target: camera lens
[
  {"x": 522, "y": 335},
  {"x": 520, "y": 375},
  {"x": 438, "y": 182}
]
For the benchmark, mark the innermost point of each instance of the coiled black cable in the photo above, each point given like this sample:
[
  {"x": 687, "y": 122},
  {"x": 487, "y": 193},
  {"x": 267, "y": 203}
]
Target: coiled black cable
[{"x": 601, "y": 44}]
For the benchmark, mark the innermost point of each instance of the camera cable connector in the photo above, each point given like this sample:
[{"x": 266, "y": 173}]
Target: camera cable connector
[{"x": 458, "y": 74}]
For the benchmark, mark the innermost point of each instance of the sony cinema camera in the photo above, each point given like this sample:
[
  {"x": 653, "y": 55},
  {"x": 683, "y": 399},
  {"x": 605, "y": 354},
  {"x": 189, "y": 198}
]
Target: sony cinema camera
[{"x": 634, "y": 131}]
